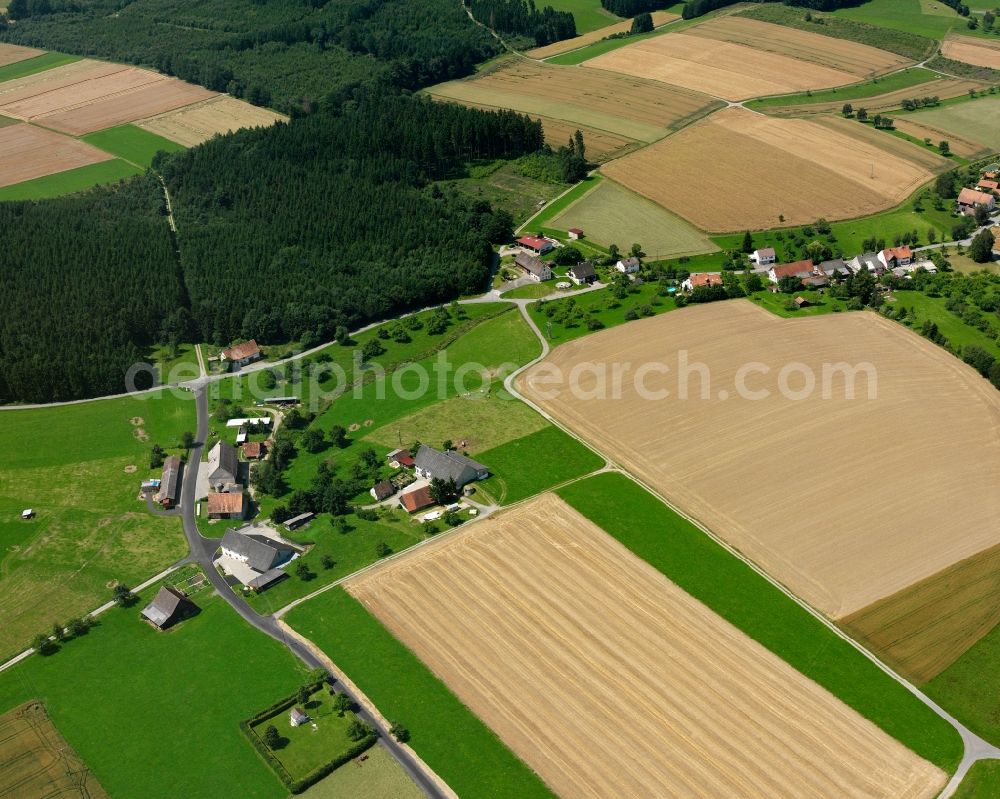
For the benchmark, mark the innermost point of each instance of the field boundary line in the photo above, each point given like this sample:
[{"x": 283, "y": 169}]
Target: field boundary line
[{"x": 975, "y": 748}]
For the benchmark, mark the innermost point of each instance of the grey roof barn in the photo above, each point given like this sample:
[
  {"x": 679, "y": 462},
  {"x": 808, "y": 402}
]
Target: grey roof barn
[
  {"x": 169, "y": 605},
  {"x": 259, "y": 552},
  {"x": 223, "y": 465},
  {"x": 431, "y": 463}
]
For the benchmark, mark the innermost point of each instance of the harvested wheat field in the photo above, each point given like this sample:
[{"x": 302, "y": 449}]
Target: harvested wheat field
[
  {"x": 564, "y": 46},
  {"x": 859, "y": 60},
  {"x": 28, "y": 152},
  {"x": 923, "y": 629},
  {"x": 718, "y": 68},
  {"x": 845, "y": 501},
  {"x": 12, "y": 53},
  {"x": 629, "y": 107},
  {"x": 197, "y": 123},
  {"x": 633, "y": 690},
  {"x": 37, "y": 763},
  {"x": 739, "y": 170},
  {"x": 981, "y": 52},
  {"x": 93, "y": 97}
]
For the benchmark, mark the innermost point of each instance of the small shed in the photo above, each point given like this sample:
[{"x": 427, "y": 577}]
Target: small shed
[
  {"x": 383, "y": 489},
  {"x": 801, "y": 302},
  {"x": 575, "y": 233},
  {"x": 168, "y": 607},
  {"x": 297, "y": 717},
  {"x": 28, "y": 513}
]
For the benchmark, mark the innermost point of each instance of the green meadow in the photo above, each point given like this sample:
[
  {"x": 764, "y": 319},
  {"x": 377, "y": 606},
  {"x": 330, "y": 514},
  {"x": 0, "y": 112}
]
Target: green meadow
[
  {"x": 79, "y": 468},
  {"x": 132, "y": 144},
  {"x": 70, "y": 181}
]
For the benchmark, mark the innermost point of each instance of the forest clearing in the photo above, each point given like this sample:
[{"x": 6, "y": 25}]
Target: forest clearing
[
  {"x": 727, "y": 717},
  {"x": 762, "y": 472}
]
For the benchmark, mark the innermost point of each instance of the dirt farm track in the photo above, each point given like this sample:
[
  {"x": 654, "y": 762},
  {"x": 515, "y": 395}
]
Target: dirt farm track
[
  {"x": 633, "y": 690},
  {"x": 846, "y": 501}
]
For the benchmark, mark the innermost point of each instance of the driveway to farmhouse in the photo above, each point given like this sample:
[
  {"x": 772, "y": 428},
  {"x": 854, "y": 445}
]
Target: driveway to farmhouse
[{"x": 203, "y": 551}]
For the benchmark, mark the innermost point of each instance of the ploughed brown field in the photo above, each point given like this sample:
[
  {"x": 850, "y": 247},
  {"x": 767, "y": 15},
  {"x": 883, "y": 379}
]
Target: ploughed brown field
[
  {"x": 37, "y": 763},
  {"x": 86, "y": 96},
  {"x": 28, "y": 152},
  {"x": 736, "y": 58},
  {"x": 659, "y": 18},
  {"x": 610, "y": 681},
  {"x": 924, "y": 628},
  {"x": 981, "y": 52},
  {"x": 623, "y": 106},
  {"x": 12, "y": 53},
  {"x": 845, "y": 501},
  {"x": 194, "y": 124},
  {"x": 740, "y": 170}
]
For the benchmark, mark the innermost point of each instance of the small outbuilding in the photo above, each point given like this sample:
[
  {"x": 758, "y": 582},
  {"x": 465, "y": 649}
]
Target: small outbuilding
[
  {"x": 297, "y": 717},
  {"x": 400, "y": 458},
  {"x": 253, "y": 450},
  {"x": 169, "y": 480},
  {"x": 228, "y": 505},
  {"x": 417, "y": 499},
  {"x": 28, "y": 513},
  {"x": 383, "y": 489},
  {"x": 575, "y": 233},
  {"x": 297, "y": 521},
  {"x": 168, "y": 607}
]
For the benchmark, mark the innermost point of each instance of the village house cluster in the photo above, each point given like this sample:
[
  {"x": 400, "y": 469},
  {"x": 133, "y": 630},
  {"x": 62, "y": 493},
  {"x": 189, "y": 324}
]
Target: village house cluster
[{"x": 416, "y": 472}]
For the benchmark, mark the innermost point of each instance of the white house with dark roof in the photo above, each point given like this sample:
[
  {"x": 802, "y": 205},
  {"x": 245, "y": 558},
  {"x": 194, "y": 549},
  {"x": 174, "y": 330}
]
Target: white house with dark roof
[
  {"x": 431, "y": 463},
  {"x": 628, "y": 266},
  {"x": 254, "y": 555},
  {"x": 763, "y": 257},
  {"x": 223, "y": 465}
]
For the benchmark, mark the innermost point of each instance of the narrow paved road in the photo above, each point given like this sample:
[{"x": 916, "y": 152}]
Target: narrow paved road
[{"x": 203, "y": 551}]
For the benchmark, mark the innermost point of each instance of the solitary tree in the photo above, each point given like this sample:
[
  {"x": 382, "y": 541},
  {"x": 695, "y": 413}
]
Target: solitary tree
[
  {"x": 271, "y": 737},
  {"x": 747, "y": 242},
  {"x": 187, "y": 439},
  {"x": 327, "y": 562},
  {"x": 944, "y": 148},
  {"x": 303, "y": 572},
  {"x": 382, "y": 549},
  {"x": 122, "y": 595},
  {"x": 981, "y": 249},
  {"x": 398, "y": 731},
  {"x": 341, "y": 703},
  {"x": 847, "y": 110},
  {"x": 156, "y": 457}
]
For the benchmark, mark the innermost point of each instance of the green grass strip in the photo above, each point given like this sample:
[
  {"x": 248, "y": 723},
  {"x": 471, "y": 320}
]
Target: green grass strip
[
  {"x": 132, "y": 144},
  {"x": 445, "y": 733},
  {"x": 697, "y": 564},
  {"x": 856, "y": 91},
  {"x": 70, "y": 181},
  {"x": 39, "y": 63},
  {"x": 558, "y": 205}
]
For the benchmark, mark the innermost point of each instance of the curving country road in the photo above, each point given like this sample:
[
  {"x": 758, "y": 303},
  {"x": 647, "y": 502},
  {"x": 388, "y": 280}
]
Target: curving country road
[{"x": 203, "y": 551}]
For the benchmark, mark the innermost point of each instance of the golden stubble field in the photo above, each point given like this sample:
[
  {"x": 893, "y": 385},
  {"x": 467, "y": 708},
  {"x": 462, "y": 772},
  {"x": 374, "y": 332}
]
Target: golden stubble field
[
  {"x": 624, "y": 106},
  {"x": 610, "y": 681},
  {"x": 741, "y": 170},
  {"x": 845, "y": 501},
  {"x": 12, "y": 53},
  {"x": 194, "y": 124},
  {"x": 736, "y": 59},
  {"x": 981, "y": 52}
]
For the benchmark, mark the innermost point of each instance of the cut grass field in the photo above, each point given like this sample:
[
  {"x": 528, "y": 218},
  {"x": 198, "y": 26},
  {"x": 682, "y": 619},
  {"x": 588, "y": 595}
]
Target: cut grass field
[
  {"x": 557, "y": 48},
  {"x": 516, "y": 597},
  {"x": 923, "y": 629},
  {"x": 613, "y": 214},
  {"x": 764, "y": 173},
  {"x": 602, "y": 306},
  {"x": 534, "y": 463},
  {"x": 445, "y": 733},
  {"x": 132, "y": 144},
  {"x": 857, "y": 546},
  {"x": 880, "y": 94},
  {"x": 37, "y": 763},
  {"x": 69, "y": 465},
  {"x": 70, "y": 181},
  {"x": 377, "y": 777},
  {"x": 589, "y": 15},
  {"x": 699, "y": 566},
  {"x": 626, "y": 106},
  {"x": 978, "y": 121},
  {"x": 982, "y": 781},
  {"x": 969, "y": 687},
  {"x": 933, "y": 20},
  {"x": 137, "y": 704},
  {"x": 39, "y": 63}
]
